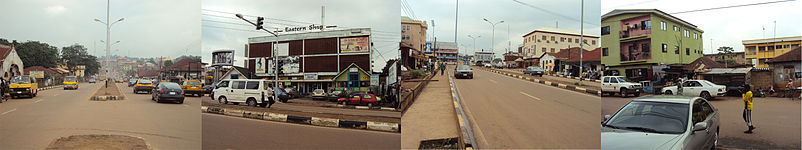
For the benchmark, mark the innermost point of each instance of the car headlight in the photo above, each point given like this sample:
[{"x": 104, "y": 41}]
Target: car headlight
[{"x": 631, "y": 86}]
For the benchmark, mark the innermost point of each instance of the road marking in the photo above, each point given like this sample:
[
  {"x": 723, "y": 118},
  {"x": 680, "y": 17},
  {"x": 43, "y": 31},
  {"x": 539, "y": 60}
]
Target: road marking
[
  {"x": 37, "y": 101},
  {"x": 494, "y": 81},
  {"x": 8, "y": 111},
  {"x": 530, "y": 96}
]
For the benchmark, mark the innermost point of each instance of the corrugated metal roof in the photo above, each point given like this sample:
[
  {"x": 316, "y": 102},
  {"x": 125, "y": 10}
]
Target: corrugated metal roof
[{"x": 728, "y": 71}]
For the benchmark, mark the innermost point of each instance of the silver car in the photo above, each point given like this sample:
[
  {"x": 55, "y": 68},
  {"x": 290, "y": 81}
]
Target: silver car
[{"x": 662, "y": 122}]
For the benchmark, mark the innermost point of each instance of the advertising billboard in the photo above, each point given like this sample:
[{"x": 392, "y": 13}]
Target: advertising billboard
[
  {"x": 37, "y": 74},
  {"x": 354, "y": 44},
  {"x": 261, "y": 65},
  {"x": 223, "y": 58}
]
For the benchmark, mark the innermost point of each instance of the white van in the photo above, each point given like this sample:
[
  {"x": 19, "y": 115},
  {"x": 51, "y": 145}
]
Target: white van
[{"x": 250, "y": 91}]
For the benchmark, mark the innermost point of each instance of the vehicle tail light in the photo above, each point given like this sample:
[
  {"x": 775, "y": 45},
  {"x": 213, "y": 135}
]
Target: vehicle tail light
[
  {"x": 719, "y": 90},
  {"x": 182, "y": 91},
  {"x": 161, "y": 91}
]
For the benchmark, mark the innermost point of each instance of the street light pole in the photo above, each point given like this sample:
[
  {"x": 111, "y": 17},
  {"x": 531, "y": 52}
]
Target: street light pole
[
  {"x": 108, "y": 37},
  {"x": 474, "y": 41},
  {"x": 493, "y": 41},
  {"x": 581, "y": 35}
]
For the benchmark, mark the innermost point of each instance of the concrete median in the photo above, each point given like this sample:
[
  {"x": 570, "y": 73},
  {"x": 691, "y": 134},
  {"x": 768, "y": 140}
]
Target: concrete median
[{"x": 317, "y": 121}]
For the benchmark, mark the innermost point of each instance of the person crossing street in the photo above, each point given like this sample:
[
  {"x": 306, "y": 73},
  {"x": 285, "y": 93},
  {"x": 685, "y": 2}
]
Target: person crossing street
[{"x": 747, "y": 114}]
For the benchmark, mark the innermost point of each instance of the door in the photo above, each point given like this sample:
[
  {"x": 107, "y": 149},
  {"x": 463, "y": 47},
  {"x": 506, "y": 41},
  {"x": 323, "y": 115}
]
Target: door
[
  {"x": 698, "y": 139},
  {"x": 355, "y": 99},
  {"x": 237, "y": 91},
  {"x": 252, "y": 90},
  {"x": 222, "y": 89},
  {"x": 691, "y": 88}
]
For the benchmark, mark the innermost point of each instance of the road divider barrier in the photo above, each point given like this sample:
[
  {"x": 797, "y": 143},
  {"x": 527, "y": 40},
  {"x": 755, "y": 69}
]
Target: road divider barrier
[
  {"x": 365, "y": 107},
  {"x": 569, "y": 87},
  {"x": 466, "y": 133},
  {"x": 317, "y": 121},
  {"x": 105, "y": 98}
]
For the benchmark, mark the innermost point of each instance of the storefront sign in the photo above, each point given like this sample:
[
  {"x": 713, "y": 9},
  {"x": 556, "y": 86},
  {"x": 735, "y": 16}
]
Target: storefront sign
[
  {"x": 391, "y": 78},
  {"x": 37, "y": 74},
  {"x": 353, "y": 70},
  {"x": 305, "y": 28},
  {"x": 310, "y": 76},
  {"x": 354, "y": 44},
  {"x": 374, "y": 80}
]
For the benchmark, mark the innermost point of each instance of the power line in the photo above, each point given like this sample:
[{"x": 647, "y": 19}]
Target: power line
[
  {"x": 299, "y": 22},
  {"x": 232, "y": 29},
  {"x": 733, "y": 6},
  {"x": 296, "y": 23},
  {"x": 553, "y": 13},
  {"x": 212, "y": 15}
]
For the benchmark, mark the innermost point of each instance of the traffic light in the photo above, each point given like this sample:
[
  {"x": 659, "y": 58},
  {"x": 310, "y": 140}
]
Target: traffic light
[{"x": 259, "y": 22}]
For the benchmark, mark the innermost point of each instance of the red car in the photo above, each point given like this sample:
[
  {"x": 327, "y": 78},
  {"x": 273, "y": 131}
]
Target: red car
[{"x": 359, "y": 99}]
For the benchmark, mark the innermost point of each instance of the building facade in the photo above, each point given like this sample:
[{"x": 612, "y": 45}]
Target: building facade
[
  {"x": 445, "y": 51},
  {"x": 484, "y": 57},
  {"x": 639, "y": 43},
  {"x": 413, "y": 33},
  {"x": 737, "y": 58},
  {"x": 551, "y": 40},
  {"x": 10, "y": 63},
  {"x": 758, "y": 51},
  {"x": 309, "y": 60}
]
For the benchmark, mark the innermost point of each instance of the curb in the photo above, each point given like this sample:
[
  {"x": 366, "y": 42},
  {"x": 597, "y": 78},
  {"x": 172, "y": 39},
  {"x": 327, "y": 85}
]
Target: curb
[
  {"x": 105, "y": 98},
  {"x": 365, "y": 107},
  {"x": 466, "y": 133},
  {"x": 549, "y": 83},
  {"x": 317, "y": 121},
  {"x": 50, "y": 87}
]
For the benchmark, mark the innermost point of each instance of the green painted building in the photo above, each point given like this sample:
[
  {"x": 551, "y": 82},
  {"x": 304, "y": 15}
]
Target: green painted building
[
  {"x": 642, "y": 43},
  {"x": 352, "y": 79}
]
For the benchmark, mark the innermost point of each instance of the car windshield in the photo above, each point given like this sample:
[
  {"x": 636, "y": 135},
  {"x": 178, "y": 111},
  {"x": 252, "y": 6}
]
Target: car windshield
[
  {"x": 20, "y": 79},
  {"x": 194, "y": 83},
  {"x": 336, "y": 92},
  {"x": 145, "y": 82},
  {"x": 463, "y": 67},
  {"x": 69, "y": 79},
  {"x": 132, "y": 80},
  {"x": 534, "y": 68},
  {"x": 319, "y": 91},
  {"x": 657, "y": 117},
  {"x": 170, "y": 85}
]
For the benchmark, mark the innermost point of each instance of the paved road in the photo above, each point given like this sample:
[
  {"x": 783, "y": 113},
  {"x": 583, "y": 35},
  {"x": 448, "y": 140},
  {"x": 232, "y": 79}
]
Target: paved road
[
  {"x": 506, "y": 112},
  {"x": 777, "y": 121},
  {"x": 32, "y": 123},
  {"x": 225, "y": 132}
]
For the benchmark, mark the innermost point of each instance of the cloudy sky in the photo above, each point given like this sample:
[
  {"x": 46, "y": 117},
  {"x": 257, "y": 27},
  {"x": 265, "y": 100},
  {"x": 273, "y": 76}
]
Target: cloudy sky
[
  {"x": 519, "y": 18},
  {"x": 726, "y": 27},
  {"x": 222, "y": 30},
  {"x": 151, "y": 28}
]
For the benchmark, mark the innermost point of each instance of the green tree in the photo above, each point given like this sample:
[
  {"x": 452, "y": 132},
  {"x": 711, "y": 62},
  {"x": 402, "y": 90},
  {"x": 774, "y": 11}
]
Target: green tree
[
  {"x": 167, "y": 63},
  {"x": 726, "y": 54},
  {"x": 76, "y": 55},
  {"x": 35, "y": 53}
]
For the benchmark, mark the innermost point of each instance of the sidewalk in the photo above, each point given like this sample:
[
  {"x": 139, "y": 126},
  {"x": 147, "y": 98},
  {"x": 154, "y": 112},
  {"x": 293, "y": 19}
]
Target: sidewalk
[{"x": 432, "y": 116}]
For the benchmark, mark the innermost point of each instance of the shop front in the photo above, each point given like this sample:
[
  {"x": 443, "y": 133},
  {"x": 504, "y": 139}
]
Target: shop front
[{"x": 352, "y": 79}]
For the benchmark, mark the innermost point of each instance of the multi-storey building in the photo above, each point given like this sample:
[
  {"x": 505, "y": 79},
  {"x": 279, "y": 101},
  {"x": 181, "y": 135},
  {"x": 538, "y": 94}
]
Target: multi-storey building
[
  {"x": 551, "y": 40},
  {"x": 758, "y": 51},
  {"x": 413, "y": 33},
  {"x": 445, "y": 51},
  {"x": 640, "y": 43}
]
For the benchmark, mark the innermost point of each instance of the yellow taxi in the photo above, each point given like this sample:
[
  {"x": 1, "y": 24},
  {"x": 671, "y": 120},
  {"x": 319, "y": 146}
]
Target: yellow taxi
[
  {"x": 143, "y": 85},
  {"x": 192, "y": 87},
  {"x": 70, "y": 82},
  {"x": 23, "y": 85}
]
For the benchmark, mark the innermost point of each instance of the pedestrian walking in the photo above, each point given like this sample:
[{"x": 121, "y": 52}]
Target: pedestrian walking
[
  {"x": 270, "y": 100},
  {"x": 442, "y": 68},
  {"x": 747, "y": 114}
]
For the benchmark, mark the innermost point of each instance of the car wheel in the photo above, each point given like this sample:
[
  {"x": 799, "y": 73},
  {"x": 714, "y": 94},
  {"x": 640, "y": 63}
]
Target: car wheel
[
  {"x": 251, "y": 102},
  {"x": 370, "y": 105},
  {"x": 158, "y": 100},
  {"x": 667, "y": 93},
  {"x": 706, "y": 96},
  {"x": 637, "y": 94},
  {"x": 222, "y": 100},
  {"x": 623, "y": 93},
  {"x": 263, "y": 104},
  {"x": 152, "y": 97},
  {"x": 181, "y": 101}
]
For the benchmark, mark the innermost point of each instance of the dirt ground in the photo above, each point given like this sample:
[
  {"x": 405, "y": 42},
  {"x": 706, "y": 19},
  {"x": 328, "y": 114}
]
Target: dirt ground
[
  {"x": 308, "y": 114},
  {"x": 107, "y": 142},
  {"x": 112, "y": 90}
]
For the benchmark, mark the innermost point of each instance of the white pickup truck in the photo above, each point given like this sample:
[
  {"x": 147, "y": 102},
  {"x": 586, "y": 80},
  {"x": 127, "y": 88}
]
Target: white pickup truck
[{"x": 619, "y": 84}]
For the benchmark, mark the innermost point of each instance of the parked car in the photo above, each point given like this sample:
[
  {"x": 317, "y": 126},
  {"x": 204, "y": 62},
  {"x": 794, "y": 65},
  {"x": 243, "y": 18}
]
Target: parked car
[
  {"x": 70, "y": 82},
  {"x": 319, "y": 94},
  {"x": 463, "y": 71},
  {"x": 92, "y": 80},
  {"x": 619, "y": 84},
  {"x": 488, "y": 65},
  {"x": 499, "y": 65},
  {"x": 359, "y": 99},
  {"x": 334, "y": 95},
  {"x": 292, "y": 93},
  {"x": 532, "y": 70},
  {"x": 207, "y": 89},
  {"x": 662, "y": 122},
  {"x": 132, "y": 82},
  {"x": 167, "y": 91},
  {"x": 23, "y": 85},
  {"x": 250, "y": 91},
  {"x": 143, "y": 85},
  {"x": 192, "y": 87},
  {"x": 701, "y": 88}
]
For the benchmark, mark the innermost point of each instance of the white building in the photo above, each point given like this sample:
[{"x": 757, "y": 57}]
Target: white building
[
  {"x": 551, "y": 40},
  {"x": 10, "y": 63}
]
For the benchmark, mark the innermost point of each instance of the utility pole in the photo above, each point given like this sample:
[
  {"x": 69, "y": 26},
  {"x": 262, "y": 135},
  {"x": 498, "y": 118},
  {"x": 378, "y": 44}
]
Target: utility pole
[
  {"x": 258, "y": 25},
  {"x": 456, "y": 22},
  {"x": 581, "y": 36}
]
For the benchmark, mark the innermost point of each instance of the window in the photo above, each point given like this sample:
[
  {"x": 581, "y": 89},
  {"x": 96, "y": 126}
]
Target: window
[
  {"x": 645, "y": 25},
  {"x": 762, "y": 48},
  {"x": 585, "y": 41},
  {"x": 686, "y": 33},
  {"x": 695, "y": 36},
  {"x": 544, "y": 37},
  {"x": 544, "y": 50},
  {"x": 238, "y": 85},
  {"x": 569, "y": 40},
  {"x": 786, "y": 46},
  {"x": 222, "y": 84},
  {"x": 562, "y": 39},
  {"x": 594, "y": 42},
  {"x": 778, "y": 47},
  {"x": 604, "y": 31},
  {"x": 645, "y": 48},
  {"x": 552, "y": 50},
  {"x": 687, "y": 51},
  {"x": 665, "y": 48},
  {"x": 552, "y": 38},
  {"x": 605, "y": 52},
  {"x": 770, "y": 48},
  {"x": 576, "y": 40},
  {"x": 676, "y": 49},
  {"x": 676, "y": 28},
  {"x": 252, "y": 85},
  {"x": 662, "y": 25}
]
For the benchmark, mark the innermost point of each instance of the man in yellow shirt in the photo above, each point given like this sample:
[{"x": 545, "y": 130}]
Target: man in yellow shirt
[{"x": 747, "y": 97}]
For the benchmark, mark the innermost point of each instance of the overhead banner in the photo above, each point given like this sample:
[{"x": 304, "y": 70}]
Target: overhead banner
[
  {"x": 223, "y": 58},
  {"x": 354, "y": 44}
]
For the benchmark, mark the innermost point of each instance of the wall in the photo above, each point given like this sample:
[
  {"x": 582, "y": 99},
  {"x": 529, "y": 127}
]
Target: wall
[{"x": 535, "y": 42}]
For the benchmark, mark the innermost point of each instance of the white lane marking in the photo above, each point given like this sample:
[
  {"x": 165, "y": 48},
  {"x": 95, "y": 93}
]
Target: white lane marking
[
  {"x": 8, "y": 111},
  {"x": 37, "y": 101},
  {"x": 530, "y": 96},
  {"x": 494, "y": 81}
]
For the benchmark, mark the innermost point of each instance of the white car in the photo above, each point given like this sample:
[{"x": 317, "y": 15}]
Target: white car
[
  {"x": 702, "y": 88},
  {"x": 620, "y": 84},
  {"x": 249, "y": 91},
  {"x": 319, "y": 94},
  {"x": 488, "y": 65}
]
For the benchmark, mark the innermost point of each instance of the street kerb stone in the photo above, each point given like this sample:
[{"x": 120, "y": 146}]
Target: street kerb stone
[
  {"x": 383, "y": 126},
  {"x": 204, "y": 109},
  {"x": 253, "y": 115},
  {"x": 327, "y": 122},
  {"x": 233, "y": 112},
  {"x": 299, "y": 119},
  {"x": 215, "y": 110},
  {"x": 353, "y": 124},
  {"x": 276, "y": 117}
]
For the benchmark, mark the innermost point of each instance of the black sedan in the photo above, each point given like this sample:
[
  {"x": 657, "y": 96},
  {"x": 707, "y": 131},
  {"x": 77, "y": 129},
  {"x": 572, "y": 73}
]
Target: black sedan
[
  {"x": 463, "y": 71},
  {"x": 532, "y": 70},
  {"x": 168, "y": 91}
]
